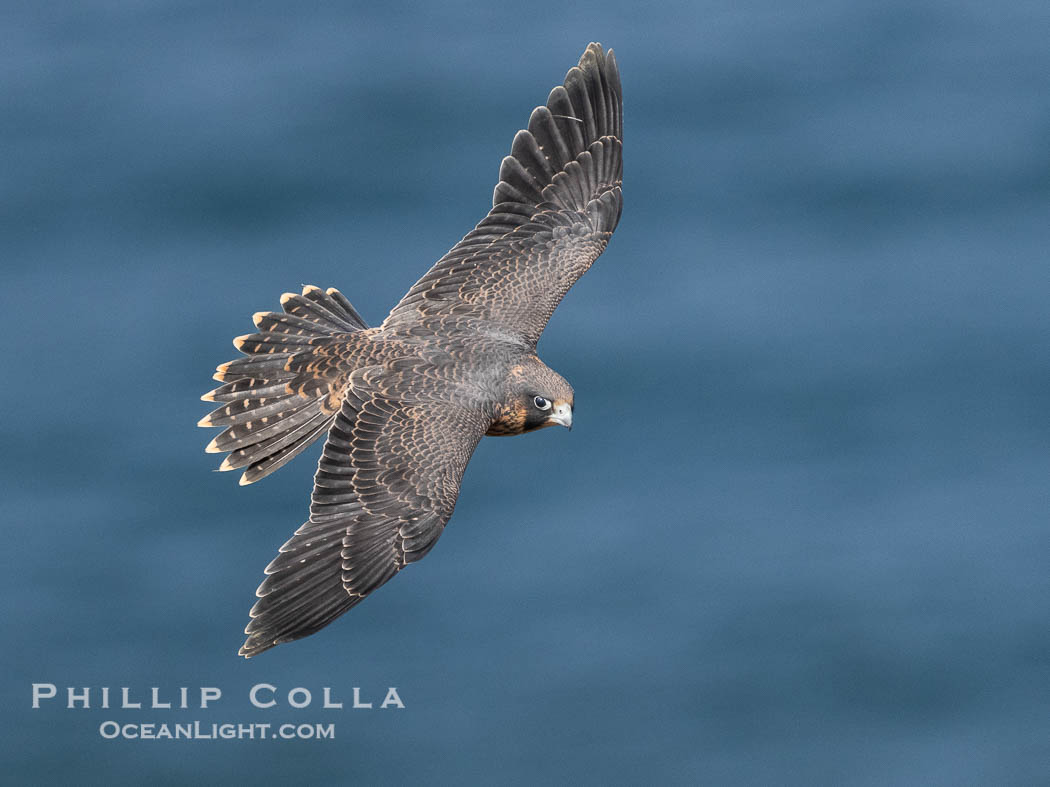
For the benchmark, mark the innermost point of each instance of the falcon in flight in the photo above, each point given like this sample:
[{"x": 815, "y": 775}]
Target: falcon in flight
[{"x": 404, "y": 404}]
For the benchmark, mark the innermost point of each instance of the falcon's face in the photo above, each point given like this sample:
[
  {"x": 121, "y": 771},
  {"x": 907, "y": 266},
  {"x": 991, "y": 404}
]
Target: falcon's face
[
  {"x": 543, "y": 411},
  {"x": 544, "y": 397},
  {"x": 536, "y": 397}
]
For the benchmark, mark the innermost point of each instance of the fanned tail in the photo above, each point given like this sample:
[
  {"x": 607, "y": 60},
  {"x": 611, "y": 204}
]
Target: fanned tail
[{"x": 270, "y": 413}]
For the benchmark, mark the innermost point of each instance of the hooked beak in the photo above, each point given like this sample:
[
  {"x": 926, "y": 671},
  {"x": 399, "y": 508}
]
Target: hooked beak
[{"x": 562, "y": 415}]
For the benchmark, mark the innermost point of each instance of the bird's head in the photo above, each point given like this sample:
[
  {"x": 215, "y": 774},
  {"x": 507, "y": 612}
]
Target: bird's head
[{"x": 536, "y": 396}]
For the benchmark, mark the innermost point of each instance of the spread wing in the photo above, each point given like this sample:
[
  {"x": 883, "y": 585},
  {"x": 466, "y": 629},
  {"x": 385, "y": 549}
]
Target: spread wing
[
  {"x": 385, "y": 486},
  {"x": 554, "y": 209}
]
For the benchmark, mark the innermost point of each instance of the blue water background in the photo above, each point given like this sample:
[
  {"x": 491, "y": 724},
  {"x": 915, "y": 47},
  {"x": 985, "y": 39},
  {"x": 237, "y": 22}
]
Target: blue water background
[{"x": 799, "y": 534}]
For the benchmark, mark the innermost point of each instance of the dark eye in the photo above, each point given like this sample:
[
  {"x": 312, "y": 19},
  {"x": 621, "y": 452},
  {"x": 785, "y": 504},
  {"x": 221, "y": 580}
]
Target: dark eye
[{"x": 541, "y": 403}]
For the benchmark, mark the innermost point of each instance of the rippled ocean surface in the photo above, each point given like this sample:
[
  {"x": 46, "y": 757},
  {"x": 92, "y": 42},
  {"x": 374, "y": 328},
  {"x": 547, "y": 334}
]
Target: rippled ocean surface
[{"x": 799, "y": 534}]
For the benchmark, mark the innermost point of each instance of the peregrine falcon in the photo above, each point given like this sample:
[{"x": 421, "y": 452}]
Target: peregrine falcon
[{"x": 404, "y": 404}]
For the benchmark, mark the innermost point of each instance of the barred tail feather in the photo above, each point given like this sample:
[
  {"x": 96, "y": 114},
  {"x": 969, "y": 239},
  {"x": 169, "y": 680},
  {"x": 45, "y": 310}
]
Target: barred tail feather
[{"x": 267, "y": 420}]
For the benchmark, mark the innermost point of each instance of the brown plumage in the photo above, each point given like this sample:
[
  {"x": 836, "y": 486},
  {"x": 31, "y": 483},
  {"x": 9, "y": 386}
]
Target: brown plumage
[{"x": 404, "y": 404}]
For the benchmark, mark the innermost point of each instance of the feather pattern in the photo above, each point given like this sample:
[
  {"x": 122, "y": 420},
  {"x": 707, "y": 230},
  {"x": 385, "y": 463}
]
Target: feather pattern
[
  {"x": 511, "y": 271},
  {"x": 378, "y": 505},
  {"x": 405, "y": 404},
  {"x": 272, "y": 409}
]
